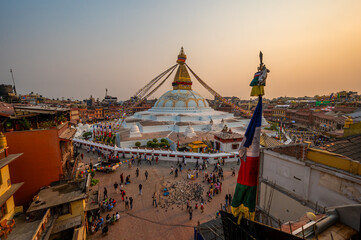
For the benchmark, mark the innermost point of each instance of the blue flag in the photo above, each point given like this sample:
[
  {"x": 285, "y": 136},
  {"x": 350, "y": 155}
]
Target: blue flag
[{"x": 256, "y": 121}]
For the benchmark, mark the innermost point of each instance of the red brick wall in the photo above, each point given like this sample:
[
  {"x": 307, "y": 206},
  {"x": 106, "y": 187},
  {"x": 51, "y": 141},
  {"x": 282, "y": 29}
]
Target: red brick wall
[
  {"x": 39, "y": 165},
  {"x": 298, "y": 151}
]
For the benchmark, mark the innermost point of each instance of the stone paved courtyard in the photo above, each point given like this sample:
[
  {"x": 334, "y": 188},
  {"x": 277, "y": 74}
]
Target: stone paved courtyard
[{"x": 145, "y": 221}]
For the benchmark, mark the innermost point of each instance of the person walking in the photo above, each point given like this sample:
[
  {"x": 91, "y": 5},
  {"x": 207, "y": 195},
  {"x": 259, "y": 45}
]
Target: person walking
[
  {"x": 105, "y": 193},
  {"x": 115, "y": 186},
  {"x": 140, "y": 189},
  {"x": 121, "y": 178},
  {"x": 176, "y": 173},
  {"x": 226, "y": 198},
  {"x": 131, "y": 202},
  {"x": 126, "y": 203},
  {"x": 190, "y": 213},
  {"x": 229, "y": 199},
  {"x": 154, "y": 200},
  {"x": 146, "y": 175},
  {"x": 137, "y": 172}
]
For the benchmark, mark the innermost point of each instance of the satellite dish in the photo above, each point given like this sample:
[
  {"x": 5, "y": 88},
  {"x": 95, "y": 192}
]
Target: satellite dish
[{"x": 311, "y": 216}]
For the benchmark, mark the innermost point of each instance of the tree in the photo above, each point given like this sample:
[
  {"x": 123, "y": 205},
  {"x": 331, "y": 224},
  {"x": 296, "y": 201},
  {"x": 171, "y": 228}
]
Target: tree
[
  {"x": 155, "y": 140},
  {"x": 150, "y": 144},
  {"x": 163, "y": 140},
  {"x": 138, "y": 144},
  {"x": 87, "y": 135}
]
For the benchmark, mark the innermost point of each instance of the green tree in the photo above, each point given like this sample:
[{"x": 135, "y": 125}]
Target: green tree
[
  {"x": 155, "y": 140},
  {"x": 138, "y": 144},
  {"x": 87, "y": 135},
  {"x": 150, "y": 144}
]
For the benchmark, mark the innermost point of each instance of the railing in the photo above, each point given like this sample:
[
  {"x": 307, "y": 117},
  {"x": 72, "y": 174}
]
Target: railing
[
  {"x": 161, "y": 154},
  {"x": 41, "y": 226}
]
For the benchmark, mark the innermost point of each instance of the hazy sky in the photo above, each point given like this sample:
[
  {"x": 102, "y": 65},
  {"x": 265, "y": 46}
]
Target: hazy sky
[{"x": 77, "y": 48}]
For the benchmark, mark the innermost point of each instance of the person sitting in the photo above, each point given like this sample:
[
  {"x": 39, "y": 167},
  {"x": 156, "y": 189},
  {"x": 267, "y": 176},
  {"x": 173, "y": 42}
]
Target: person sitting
[
  {"x": 114, "y": 218},
  {"x": 108, "y": 219},
  {"x": 117, "y": 216},
  {"x": 104, "y": 206},
  {"x": 110, "y": 207},
  {"x": 101, "y": 222}
]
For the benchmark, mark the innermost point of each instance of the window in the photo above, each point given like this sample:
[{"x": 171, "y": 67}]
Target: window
[{"x": 234, "y": 146}]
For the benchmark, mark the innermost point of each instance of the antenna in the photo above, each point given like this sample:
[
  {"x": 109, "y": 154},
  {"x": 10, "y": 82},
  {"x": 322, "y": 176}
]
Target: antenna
[
  {"x": 12, "y": 76},
  {"x": 106, "y": 92}
]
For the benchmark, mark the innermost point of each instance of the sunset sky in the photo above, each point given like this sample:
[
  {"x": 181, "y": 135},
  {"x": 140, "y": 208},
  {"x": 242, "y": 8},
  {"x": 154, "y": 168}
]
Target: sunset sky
[{"x": 78, "y": 48}]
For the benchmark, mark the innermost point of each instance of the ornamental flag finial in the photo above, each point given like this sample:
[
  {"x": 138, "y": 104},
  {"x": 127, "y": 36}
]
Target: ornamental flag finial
[{"x": 259, "y": 80}]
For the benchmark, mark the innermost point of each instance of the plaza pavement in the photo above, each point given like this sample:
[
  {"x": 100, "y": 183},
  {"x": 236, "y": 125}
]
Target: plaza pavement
[{"x": 145, "y": 221}]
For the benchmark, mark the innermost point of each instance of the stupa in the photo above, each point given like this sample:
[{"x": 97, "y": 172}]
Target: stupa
[{"x": 182, "y": 107}]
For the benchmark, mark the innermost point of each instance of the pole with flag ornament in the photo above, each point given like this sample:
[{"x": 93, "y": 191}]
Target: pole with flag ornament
[{"x": 244, "y": 198}]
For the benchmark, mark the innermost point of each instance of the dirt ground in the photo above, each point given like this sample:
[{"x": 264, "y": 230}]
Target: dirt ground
[{"x": 145, "y": 221}]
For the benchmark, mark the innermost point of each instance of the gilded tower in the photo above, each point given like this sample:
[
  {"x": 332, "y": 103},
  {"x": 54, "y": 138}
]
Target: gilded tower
[{"x": 182, "y": 80}]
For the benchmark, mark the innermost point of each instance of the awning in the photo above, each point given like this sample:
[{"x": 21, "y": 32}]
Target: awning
[
  {"x": 9, "y": 159},
  {"x": 10, "y": 192}
]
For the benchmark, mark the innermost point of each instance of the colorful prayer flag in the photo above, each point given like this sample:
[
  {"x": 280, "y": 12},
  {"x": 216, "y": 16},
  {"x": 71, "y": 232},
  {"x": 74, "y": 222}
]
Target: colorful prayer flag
[{"x": 244, "y": 200}]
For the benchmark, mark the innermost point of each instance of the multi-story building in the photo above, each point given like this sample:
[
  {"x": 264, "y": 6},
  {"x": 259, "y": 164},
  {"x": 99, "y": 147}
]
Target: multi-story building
[
  {"x": 44, "y": 136},
  {"x": 279, "y": 114},
  {"x": 74, "y": 115},
  {"x": 83, "y": 114},
  {"x": 7, "y": 188},
  {"x": 67, "y": 205}
]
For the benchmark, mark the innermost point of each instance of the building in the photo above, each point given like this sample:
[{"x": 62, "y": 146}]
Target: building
[
  {"x": 227, "y": 141},
  {"x": 67, "y": 205},
  {"x": 74, "y": 115},
  {"x": 7, "y": 187},
  {"x": 44, "y": 136},
  {"x": 295, "y": 179}
]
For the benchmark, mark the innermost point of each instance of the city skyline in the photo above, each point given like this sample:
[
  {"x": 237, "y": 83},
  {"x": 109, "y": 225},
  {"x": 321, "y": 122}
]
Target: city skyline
[{"x": 74, "y": 50}]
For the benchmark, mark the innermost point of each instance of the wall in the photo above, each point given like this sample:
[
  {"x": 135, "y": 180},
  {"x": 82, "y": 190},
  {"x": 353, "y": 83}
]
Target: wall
[
  {"x": 282, "y": 207},
  {"x": 77, "y": 209},
  {"x": 162, "y": 154},
  {"x": 308, "y": 182},
  {"x": 40, "y": 163},
  {"x": 10, "y": 206},
  {"x": 354, "y": 129},
  {"x": 5, "y": 175},
  {"x": 334, "y": 160}
]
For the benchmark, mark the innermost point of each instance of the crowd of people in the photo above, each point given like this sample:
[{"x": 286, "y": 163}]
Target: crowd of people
[{"x": 212, "y": 178}]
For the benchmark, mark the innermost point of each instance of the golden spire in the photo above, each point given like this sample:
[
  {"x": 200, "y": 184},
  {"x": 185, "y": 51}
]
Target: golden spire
[{"x": 182, "y": 80}]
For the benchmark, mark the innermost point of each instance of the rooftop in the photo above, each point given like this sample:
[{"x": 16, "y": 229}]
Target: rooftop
[
  {"x": 6, "y": 109},
  {"x": 58, "y": 195},
  {"x": 349, "y": 147},
  {"x": 24, "y": 229}
]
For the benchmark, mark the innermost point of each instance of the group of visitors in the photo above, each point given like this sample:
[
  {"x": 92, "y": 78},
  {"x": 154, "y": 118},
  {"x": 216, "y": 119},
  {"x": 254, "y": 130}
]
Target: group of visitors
[{"x": 108, "y": 204}]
